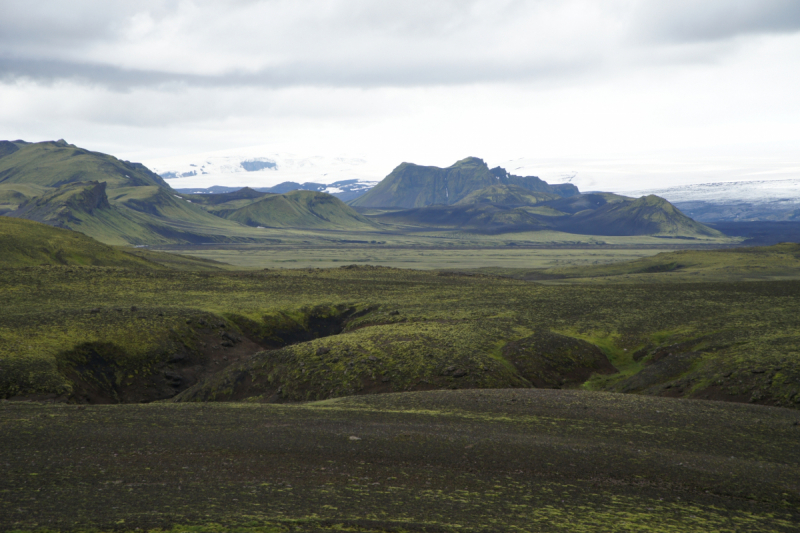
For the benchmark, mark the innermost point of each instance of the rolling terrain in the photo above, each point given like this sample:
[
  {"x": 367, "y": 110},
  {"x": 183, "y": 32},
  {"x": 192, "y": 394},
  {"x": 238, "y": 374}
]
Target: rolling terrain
[
  {"x": 378, "y": 399},
  {"x": 312, "y": 334}
]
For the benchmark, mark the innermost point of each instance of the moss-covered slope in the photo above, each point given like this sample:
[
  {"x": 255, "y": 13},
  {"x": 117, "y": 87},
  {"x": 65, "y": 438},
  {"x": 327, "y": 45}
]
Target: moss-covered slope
[
  {"x": 113, "y": 201},
  {"x": 501, "y": 194},
  {"x": 477, "y": 218},
  {"x": 27, "y": 243},
  {"x": 95, "y": 334},
  {"x": 134, "y": 215},
  {"x": 56, "y": 163},
  {"x": 648, "y": 215},
  {"x": 301, "y": 209}
]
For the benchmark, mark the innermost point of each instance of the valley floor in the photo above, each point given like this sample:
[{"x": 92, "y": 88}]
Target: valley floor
[{"x": 475, "y": 460}]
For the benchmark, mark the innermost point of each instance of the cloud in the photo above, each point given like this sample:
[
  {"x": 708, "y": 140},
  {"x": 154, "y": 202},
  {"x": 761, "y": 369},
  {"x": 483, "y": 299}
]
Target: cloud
[
  {"x": 361, "y": 43},
  {"x": 681, "y": 21},
  {"x": 415, "y": 80},
  {"x": 316, "y": 42}
]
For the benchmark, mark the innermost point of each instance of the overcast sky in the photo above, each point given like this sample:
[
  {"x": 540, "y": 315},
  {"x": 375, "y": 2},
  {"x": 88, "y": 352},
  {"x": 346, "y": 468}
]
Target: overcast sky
[{"x": 567, "y": 82}]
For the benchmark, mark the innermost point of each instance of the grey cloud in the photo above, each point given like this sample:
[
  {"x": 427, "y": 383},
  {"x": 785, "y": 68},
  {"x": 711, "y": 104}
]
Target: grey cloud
[
  {"x": 386, "y": 73},
  {"x": 354, "y": 43},
  {"x": 711, "y": 20}
]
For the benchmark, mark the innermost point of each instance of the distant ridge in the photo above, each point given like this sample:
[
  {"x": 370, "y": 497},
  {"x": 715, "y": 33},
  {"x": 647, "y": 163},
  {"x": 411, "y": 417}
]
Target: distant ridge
[
  {"x": 300, "y": 209},
  {"x": 344, "y": 190},
  {"x": 648, "y": 215},
  {"x": 411, "y": 185},
  {"x": 118, "y": 202}
]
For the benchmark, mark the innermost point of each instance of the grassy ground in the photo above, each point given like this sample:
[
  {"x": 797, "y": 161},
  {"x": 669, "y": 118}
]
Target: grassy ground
[
  {"x": 779, "y": 262},
  {"x": 116, "y": 335},
  {"x": 416, "y": 257},
  {"x": 501, "y": 460}
]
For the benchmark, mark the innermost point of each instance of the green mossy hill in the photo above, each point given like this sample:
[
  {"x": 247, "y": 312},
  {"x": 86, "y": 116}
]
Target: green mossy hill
[
  {"x": 507, "y": 195},
  {"x": 730, "y": 264},
  {"x": 165, "y": 205},
  {"x": 67, "y": 204},
  {"x": 98, "y": 334},
  {"x": 12, "y": 195},
  {"x": 583, "y": 202},
  {"x": 85, "y": 207},
  {"x": 27, "y": 243},
  {"x": 648, "y": 215},
  {"x": 476, "y": 218},
  {"x": 411, "y": 185},
  {"x": 225, "y": 204},
  {"x": 301, "y": 209},
  {"x": 56, "y": 163}
]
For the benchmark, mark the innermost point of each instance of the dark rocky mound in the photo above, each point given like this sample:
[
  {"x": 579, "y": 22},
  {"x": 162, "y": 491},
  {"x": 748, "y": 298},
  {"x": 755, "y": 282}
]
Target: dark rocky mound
[{"x": 553, "y": 361}]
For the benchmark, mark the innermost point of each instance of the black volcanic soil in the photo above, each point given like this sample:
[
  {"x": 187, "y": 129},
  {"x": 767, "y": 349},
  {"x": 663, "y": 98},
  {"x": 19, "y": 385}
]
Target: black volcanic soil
[{"x": 470, "y": 460}]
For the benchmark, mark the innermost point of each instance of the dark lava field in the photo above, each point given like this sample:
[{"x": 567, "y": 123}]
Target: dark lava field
[{"x": 468, "y": 460}]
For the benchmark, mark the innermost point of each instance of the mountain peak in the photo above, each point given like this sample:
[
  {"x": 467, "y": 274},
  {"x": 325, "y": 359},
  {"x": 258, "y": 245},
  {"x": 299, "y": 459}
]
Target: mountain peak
[
  {"x": 653, "y": 201},
  {"x": 470, "y": 162},
  {"x": 411, "y": 185}
]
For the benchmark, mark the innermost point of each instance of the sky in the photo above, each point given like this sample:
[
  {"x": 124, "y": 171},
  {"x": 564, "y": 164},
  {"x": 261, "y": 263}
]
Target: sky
[{"x": 657, "y": 92}]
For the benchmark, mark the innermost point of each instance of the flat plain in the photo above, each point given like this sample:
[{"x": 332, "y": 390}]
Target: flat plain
[{"x": 420, "y": 257}]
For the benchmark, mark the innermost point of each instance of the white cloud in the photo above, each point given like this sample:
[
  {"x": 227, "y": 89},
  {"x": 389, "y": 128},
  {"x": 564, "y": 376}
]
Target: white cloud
[{"x": 423, "y": 81}]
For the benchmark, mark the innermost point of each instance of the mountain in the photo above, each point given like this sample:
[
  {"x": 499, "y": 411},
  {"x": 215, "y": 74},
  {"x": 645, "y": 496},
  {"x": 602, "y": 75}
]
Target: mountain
[
  {"x": 648, "y": 215},
  {"x": 85, "y": 207},
  {"x": 500, "y": 194},
  {"x": 29, "y": 243},
  {"x": 476, "y": 218},
  {"x": 411, "y": 185},
  {"x": 56, "y": 163},
  {"x": 61, "y": 206},
  {"x": 113, "y": 201},
  {"x": 585, "y": 214},
  {"x": 301, "y": 209},
  {"x": 118, "y": 202}
]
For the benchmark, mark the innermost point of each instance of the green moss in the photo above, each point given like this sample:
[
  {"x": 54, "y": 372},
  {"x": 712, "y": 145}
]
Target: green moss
[{"x": 424, "y": 329}]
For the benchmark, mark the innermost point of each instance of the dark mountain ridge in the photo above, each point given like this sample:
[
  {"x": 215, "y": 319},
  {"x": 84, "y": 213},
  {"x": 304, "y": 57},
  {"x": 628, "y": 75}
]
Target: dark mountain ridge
[{"x": 411, "y": 185}]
